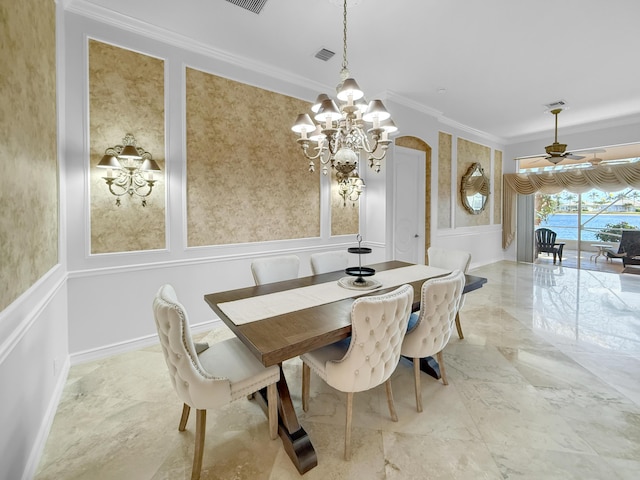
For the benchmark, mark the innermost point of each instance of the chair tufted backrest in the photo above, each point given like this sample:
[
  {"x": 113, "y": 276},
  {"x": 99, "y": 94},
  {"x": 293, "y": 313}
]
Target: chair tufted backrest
[
  {"x": 275, "y": 269},
  {"x": 378, "y": 325},
  {"x": 324, "y": 262},
  {"x": 439, "y": 302},
  {"x": 449, "y": 260},
  {"x": 194, "y": 386}
]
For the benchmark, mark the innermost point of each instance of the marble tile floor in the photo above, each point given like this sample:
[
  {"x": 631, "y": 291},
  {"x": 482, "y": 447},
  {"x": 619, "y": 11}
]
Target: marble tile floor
[
  {"x": 588, "y": 261},
  {"x": 545, "y": 385}
]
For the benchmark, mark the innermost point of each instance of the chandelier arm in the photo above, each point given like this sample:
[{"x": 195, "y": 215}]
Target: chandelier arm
[
  {"x": 312, "y": 157},
  {"x": 382, "y": 155}
]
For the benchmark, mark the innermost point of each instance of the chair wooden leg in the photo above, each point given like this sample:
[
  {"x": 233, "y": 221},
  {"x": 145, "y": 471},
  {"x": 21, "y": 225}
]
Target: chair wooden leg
[
  {"x": 458, "y": 326},
  {"x": 185, "y": 416},
  {"x": 306, "y": 377},
  {"x": 443, "y": 373},
  {"x": 347, "y": 428},
  {"x": 416, "y": 378},
  {"x": 272, "y": 400},
  {"x": 392, "y": 407},
  {"x": 201, "y": 427}
]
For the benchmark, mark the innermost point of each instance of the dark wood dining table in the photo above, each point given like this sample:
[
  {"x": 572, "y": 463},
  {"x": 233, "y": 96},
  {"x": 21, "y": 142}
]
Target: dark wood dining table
[{"x": 282, "y": 337}]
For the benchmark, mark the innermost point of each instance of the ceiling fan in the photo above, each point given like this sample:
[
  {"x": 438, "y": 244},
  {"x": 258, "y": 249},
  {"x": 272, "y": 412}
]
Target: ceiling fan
[{"x": 556, "y": 152}]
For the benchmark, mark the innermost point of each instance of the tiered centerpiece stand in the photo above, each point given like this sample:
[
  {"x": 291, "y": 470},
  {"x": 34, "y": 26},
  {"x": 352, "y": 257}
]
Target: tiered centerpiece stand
[{"x": 359, "y": 272}]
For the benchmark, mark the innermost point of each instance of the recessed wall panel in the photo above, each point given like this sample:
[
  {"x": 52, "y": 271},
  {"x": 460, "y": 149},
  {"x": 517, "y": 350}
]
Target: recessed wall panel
[
  {"x": 28, "y": 146},
  {"x": 247, "y": 180},
  {"x": 444, "y": 180},
  {"x": 126, "y": 95},
  {"x": 468, "y": 154}
]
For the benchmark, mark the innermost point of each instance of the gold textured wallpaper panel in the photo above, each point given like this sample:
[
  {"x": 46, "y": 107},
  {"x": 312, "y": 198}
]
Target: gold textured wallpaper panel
[
  {"x": 126, "y": 95},
  {"x": 344, "y": 218},
  {"x": 444, "y": 179},
  {"x": 247, "y": 180},
  {"x": 468, "y": 154},
  {"x": 496, "y": 187},
  {"x": 28, "y": 145}
]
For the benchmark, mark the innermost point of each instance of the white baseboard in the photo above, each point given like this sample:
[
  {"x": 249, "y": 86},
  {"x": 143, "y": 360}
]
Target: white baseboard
[
  {"x": 133, "y": 344},
  {"x": 45, "y": 426}
]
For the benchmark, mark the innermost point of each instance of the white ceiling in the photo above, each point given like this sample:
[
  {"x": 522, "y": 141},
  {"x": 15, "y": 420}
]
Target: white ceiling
[{"x": 500, "y": 61}]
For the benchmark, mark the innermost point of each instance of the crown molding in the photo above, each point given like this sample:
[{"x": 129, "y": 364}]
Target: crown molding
[
  {"x": 472, "y": 131},
  {"x": 139, "y": 27},
  {"x": 441, "y": 118},
  {"x": 412, "y": 104}
]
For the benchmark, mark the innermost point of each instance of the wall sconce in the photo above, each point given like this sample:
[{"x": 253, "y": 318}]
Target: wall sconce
[{"x": 134, "y": 170}]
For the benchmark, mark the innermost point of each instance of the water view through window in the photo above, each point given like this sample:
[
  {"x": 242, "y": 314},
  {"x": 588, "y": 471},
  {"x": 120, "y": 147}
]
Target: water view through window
[{"x": 601, "y": 214}]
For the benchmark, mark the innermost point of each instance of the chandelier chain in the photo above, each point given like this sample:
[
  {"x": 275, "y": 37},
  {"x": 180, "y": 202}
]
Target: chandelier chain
[
  {"x": 344, "y": 33},
  {"x": 337, "y": 135}
]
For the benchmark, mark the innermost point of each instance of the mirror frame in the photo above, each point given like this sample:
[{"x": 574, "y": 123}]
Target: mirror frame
[{"x": 475, "y": 167}]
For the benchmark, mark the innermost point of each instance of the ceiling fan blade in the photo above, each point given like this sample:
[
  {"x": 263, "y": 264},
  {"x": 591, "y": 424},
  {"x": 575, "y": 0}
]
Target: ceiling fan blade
[
  {"x": 591, "y": 150},
  {"x": 528, "y": 157},
  {"x": 573, "y": 157}
]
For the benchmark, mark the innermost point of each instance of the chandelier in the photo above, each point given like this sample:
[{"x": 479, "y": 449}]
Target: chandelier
[
  {"x": 133, "y": 168},
  {"x": 340, "y": 134}
]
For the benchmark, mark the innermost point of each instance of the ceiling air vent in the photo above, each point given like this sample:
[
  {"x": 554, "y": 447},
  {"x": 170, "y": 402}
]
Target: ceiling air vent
[
  {"x": 557, "y": 104},
  {"x": 254, "y": 6},
  {"x": 324, "y": 54}
]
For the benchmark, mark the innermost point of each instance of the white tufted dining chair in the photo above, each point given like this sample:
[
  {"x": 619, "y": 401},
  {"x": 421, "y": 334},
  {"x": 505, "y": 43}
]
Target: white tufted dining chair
[
  {"x": 439, "y": 302},
  {"x": 451, "y": 260},
  {"x": 324, "y": 262},
  {"x": 224, "y": 372},
  {"x": 378, "y": 325},
  {"x": 275, "y": 269}
]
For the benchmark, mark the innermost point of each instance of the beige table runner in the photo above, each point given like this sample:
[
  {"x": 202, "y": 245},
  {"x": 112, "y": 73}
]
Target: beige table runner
[{"x": 252, "y": 309}]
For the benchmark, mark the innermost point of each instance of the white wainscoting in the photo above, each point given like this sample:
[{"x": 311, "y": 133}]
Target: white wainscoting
[
  {"x": 484, "y": 243},
  {"x": 33, "y": 369}
]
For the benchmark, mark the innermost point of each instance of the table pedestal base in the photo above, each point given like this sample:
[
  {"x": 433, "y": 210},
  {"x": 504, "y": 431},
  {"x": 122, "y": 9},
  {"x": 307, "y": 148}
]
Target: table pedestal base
[{"x": 295, "y": 439}]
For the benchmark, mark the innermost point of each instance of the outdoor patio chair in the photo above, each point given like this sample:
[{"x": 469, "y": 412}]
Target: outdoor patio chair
[
  {"x": 546, "y": 242},
  {"x": 629, "y": 249}
]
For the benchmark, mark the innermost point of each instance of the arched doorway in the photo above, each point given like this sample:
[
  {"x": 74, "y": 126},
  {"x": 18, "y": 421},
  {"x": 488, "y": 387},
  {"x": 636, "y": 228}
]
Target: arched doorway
[{"x": 418, "y": 144}]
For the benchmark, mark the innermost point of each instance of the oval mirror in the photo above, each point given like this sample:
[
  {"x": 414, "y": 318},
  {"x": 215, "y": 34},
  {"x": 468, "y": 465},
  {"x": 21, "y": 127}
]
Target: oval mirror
[{"x": 474, "y": 189}]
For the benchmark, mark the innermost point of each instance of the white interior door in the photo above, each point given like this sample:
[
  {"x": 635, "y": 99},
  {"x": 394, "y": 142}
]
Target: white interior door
[{"x": 409, "y": 199}]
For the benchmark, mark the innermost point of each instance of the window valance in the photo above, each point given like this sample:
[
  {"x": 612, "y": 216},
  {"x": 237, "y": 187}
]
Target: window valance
[{"x": 610, "y": 178}]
